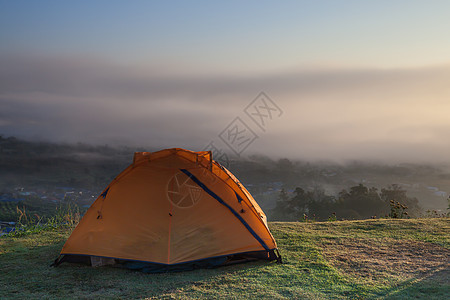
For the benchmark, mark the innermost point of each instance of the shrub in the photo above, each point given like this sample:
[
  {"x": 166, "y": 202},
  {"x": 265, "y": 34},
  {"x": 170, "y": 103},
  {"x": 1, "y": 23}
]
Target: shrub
[
  {"x": 398, "y": 210},
  {"x": 66, "y": 216}
]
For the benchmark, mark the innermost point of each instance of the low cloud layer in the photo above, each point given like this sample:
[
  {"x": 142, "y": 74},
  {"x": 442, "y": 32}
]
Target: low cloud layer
[{"x": 333, "y": 114}]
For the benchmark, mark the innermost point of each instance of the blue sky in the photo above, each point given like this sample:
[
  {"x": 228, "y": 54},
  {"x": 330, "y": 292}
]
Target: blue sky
[
  {"x": 248, "y": 33},
  {"x": 356, "y": 79}
]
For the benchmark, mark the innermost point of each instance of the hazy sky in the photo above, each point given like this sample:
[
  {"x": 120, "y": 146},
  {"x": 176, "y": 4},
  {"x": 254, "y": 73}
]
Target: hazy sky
[{"x": 354, "y": 79}]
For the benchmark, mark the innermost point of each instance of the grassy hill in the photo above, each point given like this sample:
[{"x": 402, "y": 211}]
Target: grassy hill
[{"x": 368, "y": 259}]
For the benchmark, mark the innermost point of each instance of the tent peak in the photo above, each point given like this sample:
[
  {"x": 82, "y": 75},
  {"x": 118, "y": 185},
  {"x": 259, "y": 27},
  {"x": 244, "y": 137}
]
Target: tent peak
[{"x": 191, "y": 155}]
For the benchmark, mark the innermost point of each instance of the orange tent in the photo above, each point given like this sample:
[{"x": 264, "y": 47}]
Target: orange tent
[{"x": 172, "y": 210}]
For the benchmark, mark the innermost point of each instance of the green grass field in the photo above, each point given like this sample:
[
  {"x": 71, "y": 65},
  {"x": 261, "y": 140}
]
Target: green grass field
[{"x": 369, "y": 259}]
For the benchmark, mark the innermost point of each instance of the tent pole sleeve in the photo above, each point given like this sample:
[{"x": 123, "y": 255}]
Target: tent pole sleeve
[{"x": 220, "y": 200}]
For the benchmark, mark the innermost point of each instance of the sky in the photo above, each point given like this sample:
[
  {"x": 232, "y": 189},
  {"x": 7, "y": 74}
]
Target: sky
[{"x": 342, "y": 80}]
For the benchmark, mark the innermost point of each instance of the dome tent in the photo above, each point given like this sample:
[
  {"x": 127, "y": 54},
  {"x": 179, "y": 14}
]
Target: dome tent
[{"x": 172, "y": 210}]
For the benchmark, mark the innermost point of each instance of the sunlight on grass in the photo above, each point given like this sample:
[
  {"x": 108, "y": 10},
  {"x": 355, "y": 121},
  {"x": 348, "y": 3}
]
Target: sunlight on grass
[{"x": 365, "y": 259}]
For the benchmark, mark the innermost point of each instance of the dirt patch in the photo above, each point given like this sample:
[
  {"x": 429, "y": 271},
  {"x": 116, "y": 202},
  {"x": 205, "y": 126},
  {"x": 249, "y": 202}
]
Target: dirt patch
[{"x": 372, "y": 259}]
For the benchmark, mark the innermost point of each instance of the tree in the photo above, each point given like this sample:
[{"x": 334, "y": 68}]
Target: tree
[
  {"x": 398, "y": 194},
  {"x": 314, "y": 203},
  {"x": 360, "y": 202},
  {"x": 299, "y": 203},
  {"x": 282, "y": 209},
  {"x": 448, "y": 208},
  {"x": 320, "y": 205}
]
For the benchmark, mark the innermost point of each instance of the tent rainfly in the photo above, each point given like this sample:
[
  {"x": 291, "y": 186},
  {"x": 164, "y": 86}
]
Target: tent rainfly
[{"x": 172, "y": 210}]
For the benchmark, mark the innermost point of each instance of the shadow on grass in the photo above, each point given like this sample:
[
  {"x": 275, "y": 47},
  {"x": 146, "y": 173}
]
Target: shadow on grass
[
  {"x": 433, "y": 285},
  {"x": 26, "y": 273}
]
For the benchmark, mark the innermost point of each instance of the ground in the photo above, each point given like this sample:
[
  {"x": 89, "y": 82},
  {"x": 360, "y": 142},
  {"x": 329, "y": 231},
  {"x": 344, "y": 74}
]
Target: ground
[{"x": 368, "y": 259}]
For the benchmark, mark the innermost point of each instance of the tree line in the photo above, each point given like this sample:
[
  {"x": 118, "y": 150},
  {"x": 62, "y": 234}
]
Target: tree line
[{"x": 358, "y": 202}]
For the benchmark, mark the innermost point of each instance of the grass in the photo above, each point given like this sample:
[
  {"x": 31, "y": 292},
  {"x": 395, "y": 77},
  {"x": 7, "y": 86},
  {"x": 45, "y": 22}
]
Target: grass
[
  {"x": 368, "y": 259},
  {"x": 8, "y": 211}
]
